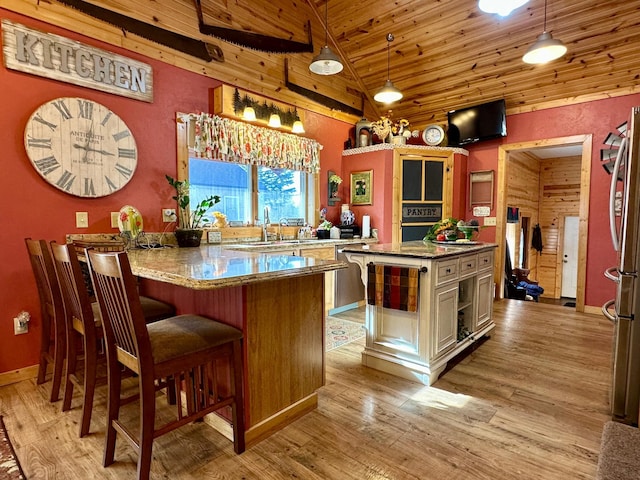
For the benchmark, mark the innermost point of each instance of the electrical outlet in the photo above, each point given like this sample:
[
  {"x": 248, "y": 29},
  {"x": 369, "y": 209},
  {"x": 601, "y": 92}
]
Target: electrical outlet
[
  {"x": 82, "y": 219},
  {"x": 169, "y": 215},
  {"x": 114, "y": 219},
  {"x": 21, "y": 323}
]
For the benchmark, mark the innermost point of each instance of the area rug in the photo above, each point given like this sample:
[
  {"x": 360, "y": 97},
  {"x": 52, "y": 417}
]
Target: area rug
[
  {"x": 340, "y": 332},
  {"x": 9, "y": 467}
]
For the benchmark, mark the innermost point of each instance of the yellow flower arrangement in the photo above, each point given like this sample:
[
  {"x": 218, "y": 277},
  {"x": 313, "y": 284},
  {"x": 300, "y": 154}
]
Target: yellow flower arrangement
[
  {"x": 221, "y": 219},
  {"x": 386, "y": 125}
]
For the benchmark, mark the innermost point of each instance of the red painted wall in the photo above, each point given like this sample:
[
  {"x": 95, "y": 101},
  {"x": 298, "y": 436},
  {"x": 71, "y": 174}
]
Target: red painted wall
[
  {"x": 597, "y": 118},
  {"x": 32, "y": 208}
]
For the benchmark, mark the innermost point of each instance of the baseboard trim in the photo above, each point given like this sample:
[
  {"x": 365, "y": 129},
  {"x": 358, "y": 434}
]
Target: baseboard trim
[{"x": 15, "y": 376}]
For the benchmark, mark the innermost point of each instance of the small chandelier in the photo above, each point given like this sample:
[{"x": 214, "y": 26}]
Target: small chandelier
[
  {"x": 501, "y": 7},
  {"x": 326, "y": 62},
  {"x": 388, "y": 93},
  {"x": 546, "y": 48}
]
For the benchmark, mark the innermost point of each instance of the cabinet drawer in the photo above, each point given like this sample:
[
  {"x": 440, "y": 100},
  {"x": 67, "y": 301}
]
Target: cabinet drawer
[
  {"x": 485, "y": 260},
  {"x": 446, "y": 271},
  {"x": 468, "y": 265}
]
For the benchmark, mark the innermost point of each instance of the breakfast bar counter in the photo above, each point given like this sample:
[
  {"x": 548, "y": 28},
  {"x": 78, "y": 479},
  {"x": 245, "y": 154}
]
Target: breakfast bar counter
[
  {"x": 426, "y": 303},
  {"x": 276, "y": 300}
]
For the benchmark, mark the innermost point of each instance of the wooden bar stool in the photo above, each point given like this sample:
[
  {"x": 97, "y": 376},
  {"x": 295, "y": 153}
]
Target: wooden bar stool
[
  {"x": 52, "y": 337},
  {"x": 185, "y": 348},
  {"x": 83, "y": 323}
]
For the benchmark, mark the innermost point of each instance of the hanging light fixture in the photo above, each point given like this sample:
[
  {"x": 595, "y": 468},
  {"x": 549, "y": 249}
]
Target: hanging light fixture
[
  {"x": 546, "y": 48},
  {"x": 326, "y": 62},
  {"x": 501, "y": 7},
  {"x": 388, "y": 93}
]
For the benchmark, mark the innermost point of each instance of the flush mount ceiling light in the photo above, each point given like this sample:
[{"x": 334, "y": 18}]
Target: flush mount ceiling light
[
  {"x": 326, "y": 62},
  {"x": 388, "y": 93},
  {"x": 546, "y": 48},
  {"x": 501, "y": 7}
]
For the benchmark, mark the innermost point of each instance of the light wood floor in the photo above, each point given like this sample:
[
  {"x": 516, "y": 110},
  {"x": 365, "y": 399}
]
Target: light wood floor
[{"x": 527, "y": 403}]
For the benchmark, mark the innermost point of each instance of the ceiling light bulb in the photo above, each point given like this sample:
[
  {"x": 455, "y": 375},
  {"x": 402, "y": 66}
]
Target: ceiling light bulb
[
  {"x": 274, "y": 121},
  {"x": 297, "y": 127},
  {"x": 544, "y": 50},
  {"x": 326, "y": 62},
  {"x": 501, "y": 7},
  {"x": 249, "y": 114},
  {"x": 388, "y": 94}
]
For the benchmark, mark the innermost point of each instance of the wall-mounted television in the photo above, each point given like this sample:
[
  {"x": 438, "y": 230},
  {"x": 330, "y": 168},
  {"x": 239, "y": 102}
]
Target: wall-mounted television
[{"x": 477, "y": 123}]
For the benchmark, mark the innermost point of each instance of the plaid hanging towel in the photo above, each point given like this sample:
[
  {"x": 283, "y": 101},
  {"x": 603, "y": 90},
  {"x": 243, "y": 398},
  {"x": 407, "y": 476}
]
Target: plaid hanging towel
[{"x": 393, "y": 287}]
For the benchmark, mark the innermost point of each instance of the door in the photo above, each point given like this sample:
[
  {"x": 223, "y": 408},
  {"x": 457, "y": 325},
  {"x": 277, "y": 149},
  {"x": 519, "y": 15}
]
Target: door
[{"x": 570, "y": 257}]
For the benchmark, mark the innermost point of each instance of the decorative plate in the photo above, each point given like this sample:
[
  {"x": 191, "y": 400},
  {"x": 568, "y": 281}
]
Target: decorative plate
[
  {"x": 347, "y": 217},
  {"x": 130, "y": 220}
]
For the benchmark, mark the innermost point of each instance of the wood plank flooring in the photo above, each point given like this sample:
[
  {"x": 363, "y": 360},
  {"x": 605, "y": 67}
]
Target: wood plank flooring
[{"x": 528, "y": 403}]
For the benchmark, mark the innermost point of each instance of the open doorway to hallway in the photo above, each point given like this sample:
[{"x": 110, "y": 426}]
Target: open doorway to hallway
[{"x": 547, "y": 183}]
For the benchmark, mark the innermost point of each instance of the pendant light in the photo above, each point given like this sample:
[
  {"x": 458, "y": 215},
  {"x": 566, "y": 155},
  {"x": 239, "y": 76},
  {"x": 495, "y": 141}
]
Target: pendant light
[
  {"x": 546, "y": 48},
  {"x": 501, "y": 7},
  {"x": 326, "y": 62},
  {"x": 388, "y": 93}
]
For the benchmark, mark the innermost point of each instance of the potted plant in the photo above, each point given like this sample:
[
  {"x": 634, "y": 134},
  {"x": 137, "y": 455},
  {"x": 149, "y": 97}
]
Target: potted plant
[
  {"x": 190, "y": 222},
  {"x": 324, "y": 229}
]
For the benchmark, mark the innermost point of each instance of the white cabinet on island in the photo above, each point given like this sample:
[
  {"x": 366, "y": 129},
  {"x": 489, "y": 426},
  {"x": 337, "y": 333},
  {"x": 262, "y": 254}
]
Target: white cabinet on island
[{"x": 453, "y": 308}]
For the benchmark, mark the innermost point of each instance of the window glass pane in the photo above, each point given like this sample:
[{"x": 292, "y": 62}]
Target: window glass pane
[
  {"x": 230, "y": 181},
  {"x": 283, "y": 191}
]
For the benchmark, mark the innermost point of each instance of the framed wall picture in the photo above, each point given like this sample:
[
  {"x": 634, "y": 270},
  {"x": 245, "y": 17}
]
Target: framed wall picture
[{"x": 362, "y": 188}]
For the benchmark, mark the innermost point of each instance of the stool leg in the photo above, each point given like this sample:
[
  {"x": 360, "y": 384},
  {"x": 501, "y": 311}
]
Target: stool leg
[
  {"x": 72, "y": 365},
  {"x": 58, "y": 363},
  {"x": 90, "y": 374},
  {"x": 113, "y": 410},
  {"x": 147, "y": 421}
]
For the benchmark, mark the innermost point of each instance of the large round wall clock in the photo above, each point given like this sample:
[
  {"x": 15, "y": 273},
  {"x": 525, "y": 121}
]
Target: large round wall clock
[{"x": 80, "y": 147}]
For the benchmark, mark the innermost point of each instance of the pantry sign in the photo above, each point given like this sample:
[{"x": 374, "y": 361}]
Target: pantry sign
[{"x": 52, "y": 56}]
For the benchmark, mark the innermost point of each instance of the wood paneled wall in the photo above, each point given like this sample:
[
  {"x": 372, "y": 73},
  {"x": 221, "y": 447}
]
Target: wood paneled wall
[
  {"x": 559, "y": 197},
  {"x": 523, "y": 179}
]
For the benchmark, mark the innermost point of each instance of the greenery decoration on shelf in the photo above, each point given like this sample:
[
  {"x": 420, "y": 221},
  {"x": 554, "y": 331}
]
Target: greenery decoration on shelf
[{"x": 263, "y": 110}]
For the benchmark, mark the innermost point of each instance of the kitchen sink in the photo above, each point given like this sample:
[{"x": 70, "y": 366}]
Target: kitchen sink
[{"x": 274, "y": 243}]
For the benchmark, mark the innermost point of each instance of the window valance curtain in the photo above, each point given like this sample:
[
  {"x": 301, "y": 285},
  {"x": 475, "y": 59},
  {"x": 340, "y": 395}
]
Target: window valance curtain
[{"x": 240, "y": 142}]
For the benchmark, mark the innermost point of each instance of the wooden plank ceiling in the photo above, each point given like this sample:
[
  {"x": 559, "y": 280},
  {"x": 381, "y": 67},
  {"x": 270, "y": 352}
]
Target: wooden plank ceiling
[{"x": 446, "y": 54}]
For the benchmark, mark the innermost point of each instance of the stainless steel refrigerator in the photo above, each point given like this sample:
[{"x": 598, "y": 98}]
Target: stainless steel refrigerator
[{"x": 623, "y": 311}]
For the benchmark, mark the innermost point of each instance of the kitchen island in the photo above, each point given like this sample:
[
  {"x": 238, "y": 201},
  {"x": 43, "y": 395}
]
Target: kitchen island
[
  {"x": 452, "y": 308},
  {"x": 276, "y": 300}
]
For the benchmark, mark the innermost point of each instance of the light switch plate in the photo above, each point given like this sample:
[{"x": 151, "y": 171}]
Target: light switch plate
[
  {"x": 114, "y": 219},
  {"x": 82, "y": 219},
  {"x": 489, "y": 221}
]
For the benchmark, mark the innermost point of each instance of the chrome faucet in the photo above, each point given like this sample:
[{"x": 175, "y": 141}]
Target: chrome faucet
[{"x": 266, "y": 222}]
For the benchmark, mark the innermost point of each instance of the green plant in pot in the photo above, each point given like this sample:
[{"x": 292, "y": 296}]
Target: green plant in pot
[{"x": 190, "y": 222}]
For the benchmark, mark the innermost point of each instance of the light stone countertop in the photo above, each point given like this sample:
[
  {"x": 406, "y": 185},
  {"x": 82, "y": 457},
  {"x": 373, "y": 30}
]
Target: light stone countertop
[
  {"x": 210, "y": 266},
  {"x": 419, "y": 249}
]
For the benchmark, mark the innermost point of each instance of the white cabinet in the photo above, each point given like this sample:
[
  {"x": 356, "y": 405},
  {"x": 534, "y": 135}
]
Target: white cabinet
[{"x": 455, "y": 301}]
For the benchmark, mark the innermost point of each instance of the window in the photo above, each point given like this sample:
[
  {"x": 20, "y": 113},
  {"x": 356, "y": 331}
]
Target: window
[
  {"x": 245, "y": 190},
  {"x": 283, "y": 191}
]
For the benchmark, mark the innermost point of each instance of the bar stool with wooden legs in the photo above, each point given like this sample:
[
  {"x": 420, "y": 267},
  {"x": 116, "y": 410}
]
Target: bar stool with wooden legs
[
  {"x": 52, "y": 337},
  {"x": 83, "y": 323},
  {"x": 185, "y": 348}
]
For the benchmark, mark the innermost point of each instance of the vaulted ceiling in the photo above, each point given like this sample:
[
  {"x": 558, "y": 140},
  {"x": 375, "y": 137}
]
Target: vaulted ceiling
[{"x": 446, "y": 54}]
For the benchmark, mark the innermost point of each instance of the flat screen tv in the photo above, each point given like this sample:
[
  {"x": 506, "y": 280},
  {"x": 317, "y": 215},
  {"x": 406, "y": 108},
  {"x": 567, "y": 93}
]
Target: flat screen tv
[{"x": 477, "y": 123}]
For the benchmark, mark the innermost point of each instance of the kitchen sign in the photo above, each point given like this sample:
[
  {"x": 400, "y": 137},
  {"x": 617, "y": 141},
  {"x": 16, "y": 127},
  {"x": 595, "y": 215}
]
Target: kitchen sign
[
  {"x": 52, "y": 56},
  {"x": 418, "y": 213}
]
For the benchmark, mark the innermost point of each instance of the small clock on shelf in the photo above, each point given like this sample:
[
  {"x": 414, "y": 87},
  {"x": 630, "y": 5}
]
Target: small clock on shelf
[{"x": 434, "y": 136}]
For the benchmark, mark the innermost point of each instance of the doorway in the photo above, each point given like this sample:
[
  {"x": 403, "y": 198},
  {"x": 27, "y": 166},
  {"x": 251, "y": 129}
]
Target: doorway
[
  {"x": 569, "y": 279},
  {"x": 584, "y": 142}
]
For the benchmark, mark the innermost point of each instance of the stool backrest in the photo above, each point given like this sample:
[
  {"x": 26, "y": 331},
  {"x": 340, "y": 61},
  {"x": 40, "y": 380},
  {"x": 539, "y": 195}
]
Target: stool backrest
[
  {"x": 75, "y": 296},
  {"x": 122, "y": 316},
  {"x": 46, "y": 281}
]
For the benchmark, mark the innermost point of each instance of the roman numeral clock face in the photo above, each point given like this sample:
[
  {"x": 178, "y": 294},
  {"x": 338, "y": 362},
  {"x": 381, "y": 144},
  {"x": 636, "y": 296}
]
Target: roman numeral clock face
[{"x": 80, "y": 147}]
